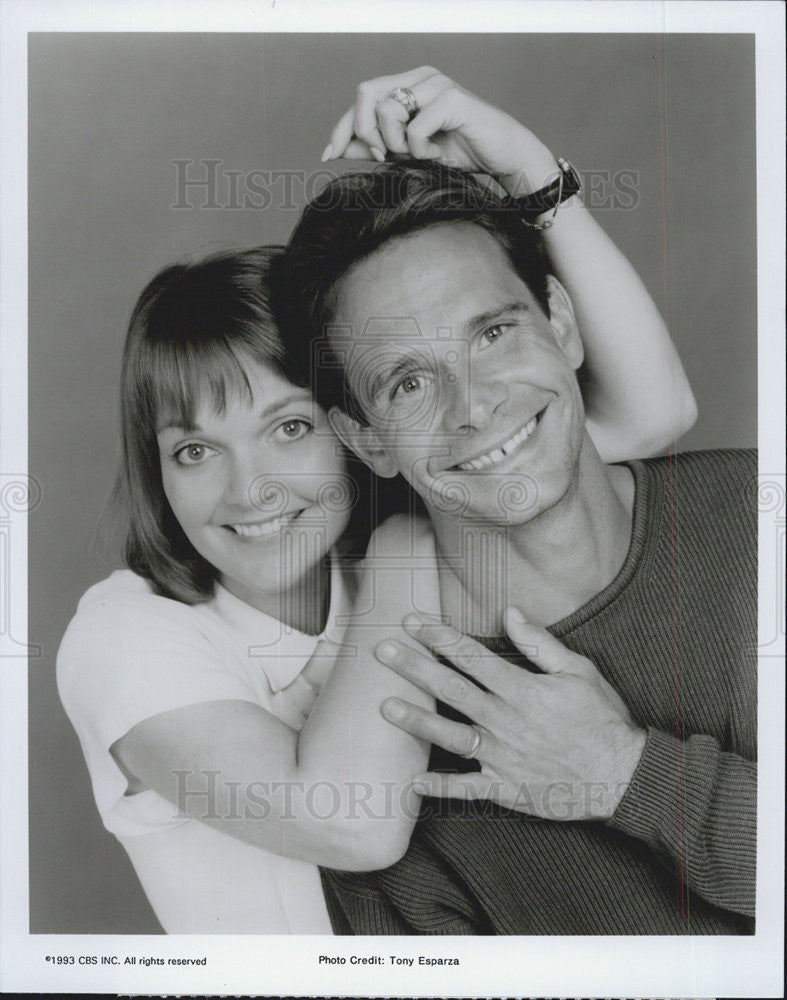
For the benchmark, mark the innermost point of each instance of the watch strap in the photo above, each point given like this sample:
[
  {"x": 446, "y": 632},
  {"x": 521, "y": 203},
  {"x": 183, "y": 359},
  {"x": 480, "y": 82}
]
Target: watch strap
[{"x": 567, "y": 183}]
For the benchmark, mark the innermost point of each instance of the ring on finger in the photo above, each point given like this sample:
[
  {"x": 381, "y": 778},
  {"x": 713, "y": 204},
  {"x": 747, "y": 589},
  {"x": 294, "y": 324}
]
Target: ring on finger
[
  {"x": 476, "y": 744},
  {"x": 405, "y": 97}
]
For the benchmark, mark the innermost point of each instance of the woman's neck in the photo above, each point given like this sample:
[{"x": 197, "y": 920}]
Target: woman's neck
[{"x": 303, "y": 606}]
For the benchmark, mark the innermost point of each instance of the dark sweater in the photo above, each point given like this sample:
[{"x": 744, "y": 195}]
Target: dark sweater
[{"x": 675, "y": 635}]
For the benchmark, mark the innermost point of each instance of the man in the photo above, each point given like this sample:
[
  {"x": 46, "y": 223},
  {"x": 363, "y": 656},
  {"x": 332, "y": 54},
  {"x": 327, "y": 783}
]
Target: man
[{"x": 622, "y": 774}]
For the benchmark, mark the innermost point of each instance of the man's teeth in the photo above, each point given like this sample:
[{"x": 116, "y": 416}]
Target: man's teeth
[
  {"x": 505, "y": 449},
  {"x": 264, "y": 529}
]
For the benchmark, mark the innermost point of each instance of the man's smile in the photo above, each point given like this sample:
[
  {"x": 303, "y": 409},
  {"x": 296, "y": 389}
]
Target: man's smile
[{"x": 500, "y": 451}]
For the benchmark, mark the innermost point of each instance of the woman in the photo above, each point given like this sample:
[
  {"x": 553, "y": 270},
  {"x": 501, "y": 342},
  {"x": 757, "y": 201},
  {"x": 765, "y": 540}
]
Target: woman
[{"x": 189, "y": 675}]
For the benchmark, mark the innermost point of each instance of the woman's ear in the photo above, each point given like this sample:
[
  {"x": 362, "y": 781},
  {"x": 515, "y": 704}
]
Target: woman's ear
[
  {"x": 564, "y": 322},
  {"x": 363, "y": 442}
]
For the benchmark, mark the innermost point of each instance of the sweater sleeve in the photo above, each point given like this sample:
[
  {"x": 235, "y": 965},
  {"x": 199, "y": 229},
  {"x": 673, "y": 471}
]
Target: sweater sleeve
[
  {"x": 696, "y": 808},
  {"x": 418, "y": 895},
  {"x": 360, "y": 908},
  {"x": 352, "y": 912}
]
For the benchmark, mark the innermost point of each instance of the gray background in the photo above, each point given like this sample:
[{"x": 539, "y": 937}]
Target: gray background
[{"x": 108, "y": 115}]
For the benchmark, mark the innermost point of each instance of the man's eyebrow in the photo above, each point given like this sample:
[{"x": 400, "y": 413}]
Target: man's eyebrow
[
  {"x": 485, "y": 318},
  {"x": 407, "y": 361}
]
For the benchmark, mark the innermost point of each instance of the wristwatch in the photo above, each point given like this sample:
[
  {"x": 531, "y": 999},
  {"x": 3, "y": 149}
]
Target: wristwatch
[{"x": 567, "y": 183}]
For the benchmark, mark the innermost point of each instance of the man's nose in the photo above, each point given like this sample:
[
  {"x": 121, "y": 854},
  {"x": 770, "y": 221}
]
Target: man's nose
[{"x": 471, "y": 403}]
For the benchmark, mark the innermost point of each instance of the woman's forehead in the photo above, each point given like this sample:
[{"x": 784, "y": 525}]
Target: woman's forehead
[{"x": 250, "y": 385}]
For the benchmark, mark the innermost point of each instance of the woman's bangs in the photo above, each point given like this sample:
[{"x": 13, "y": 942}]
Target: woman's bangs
[{"x": 184, "y": 380}]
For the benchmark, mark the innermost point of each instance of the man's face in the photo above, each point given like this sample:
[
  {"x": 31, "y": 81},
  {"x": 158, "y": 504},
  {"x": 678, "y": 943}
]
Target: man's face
[{"x": 468, "y": 388}]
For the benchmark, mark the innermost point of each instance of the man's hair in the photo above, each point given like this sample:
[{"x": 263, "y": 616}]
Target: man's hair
[
  {"x": 354, "y": 216},
  {"x": 194, "y": 331}
]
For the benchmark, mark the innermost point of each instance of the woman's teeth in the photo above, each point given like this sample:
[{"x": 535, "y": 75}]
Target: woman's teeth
[
  {"x": 490, "y": 458},
  {"x": 264, "y": 529}
]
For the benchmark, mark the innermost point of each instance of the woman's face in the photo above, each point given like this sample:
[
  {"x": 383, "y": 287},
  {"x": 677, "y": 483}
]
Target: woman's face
[{"x": 260, "y": 489}]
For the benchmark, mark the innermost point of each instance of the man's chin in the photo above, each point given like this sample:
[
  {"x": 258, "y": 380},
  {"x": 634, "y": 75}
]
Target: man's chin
[
  {"x": 504, "y": 503},
  {"x": 504, "y": 499}
]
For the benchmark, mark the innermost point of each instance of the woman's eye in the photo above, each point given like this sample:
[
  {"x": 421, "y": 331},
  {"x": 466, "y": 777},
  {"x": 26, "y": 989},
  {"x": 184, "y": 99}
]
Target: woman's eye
[
  {"x": 292, "y": 430},
  {"x": 193, "y": 454}
]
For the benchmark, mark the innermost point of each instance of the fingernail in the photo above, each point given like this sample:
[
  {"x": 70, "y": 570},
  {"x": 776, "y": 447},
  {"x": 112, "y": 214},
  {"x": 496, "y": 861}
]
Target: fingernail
[
  {"x": 327, "y": 153},
  {"x": 386, "y": 651},
  {"x": 412, "y": 621},
  {"x": 516, "y": 616},
  {"x": 378, "y": 154},
  {"x": 393, "y": 710}
]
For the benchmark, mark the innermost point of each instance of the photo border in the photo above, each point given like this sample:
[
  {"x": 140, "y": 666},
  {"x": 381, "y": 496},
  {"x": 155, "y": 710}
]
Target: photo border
[{"x": 542, "y": 965}]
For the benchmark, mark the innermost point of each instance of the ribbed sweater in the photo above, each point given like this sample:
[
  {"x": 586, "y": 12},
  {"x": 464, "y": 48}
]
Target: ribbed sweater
[{"x": 674, "y": 634}]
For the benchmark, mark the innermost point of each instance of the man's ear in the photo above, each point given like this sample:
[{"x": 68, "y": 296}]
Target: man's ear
[
  {"x": 363, "y": 442},
  {"x": 563, "y": 322}
]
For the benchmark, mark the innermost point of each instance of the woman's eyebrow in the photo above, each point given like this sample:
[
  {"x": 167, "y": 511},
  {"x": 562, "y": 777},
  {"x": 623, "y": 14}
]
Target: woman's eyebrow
[
  {"x": 185, "y": 426},
  {"x": 299, "y": 398}
]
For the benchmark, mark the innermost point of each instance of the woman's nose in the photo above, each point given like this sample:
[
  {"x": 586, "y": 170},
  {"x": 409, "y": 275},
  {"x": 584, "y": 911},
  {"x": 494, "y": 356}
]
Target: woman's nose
[
  {"x": 237, "y": 485},
  {"x": 251, "y": 486}
]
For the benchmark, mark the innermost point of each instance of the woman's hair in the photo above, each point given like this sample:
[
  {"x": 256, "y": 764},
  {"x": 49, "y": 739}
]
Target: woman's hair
[{"x": 194, "y": 331}]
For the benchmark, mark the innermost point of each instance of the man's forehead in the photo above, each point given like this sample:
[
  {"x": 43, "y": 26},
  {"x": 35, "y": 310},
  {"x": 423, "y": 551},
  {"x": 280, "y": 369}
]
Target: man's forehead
[
  {"x": 426, "y": 284},
  {"x": 392, "y": 291},
  {"x": 376, "y": 329}
]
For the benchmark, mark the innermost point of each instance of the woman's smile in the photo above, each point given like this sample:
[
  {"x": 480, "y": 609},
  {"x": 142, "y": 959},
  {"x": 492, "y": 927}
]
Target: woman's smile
[
  {"x": 256, "y": 530},
  {"x": 240, "y": 481}
]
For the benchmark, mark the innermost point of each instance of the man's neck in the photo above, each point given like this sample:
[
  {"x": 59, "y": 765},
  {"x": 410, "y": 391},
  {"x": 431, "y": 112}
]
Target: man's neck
[{"x": 548, "y": 567}]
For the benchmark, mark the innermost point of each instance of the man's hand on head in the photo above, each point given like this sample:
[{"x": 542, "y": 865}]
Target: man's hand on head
[{"x": 559, "y": 744}]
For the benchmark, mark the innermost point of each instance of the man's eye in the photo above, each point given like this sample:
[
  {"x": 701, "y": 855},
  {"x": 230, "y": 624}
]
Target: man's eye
[
  {"x": 494, "y": 333},
  {"x": 193, "y": 454},
  {"x": 407, "y": 386},
  {"x": 292, "y": 430}
]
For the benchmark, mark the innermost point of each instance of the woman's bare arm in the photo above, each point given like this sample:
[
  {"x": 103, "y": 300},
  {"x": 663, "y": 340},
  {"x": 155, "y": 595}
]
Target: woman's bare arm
[{"x": 337, "y": 794}]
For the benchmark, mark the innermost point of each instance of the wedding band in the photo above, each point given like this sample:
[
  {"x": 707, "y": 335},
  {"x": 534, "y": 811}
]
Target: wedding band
[
  {"x": 406, "y": 98},
  {"x": 476, "y": 744}
]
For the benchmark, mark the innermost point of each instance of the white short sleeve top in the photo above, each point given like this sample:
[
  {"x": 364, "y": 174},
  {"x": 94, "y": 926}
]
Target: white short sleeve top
[{"x": 130, "y": 654}]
